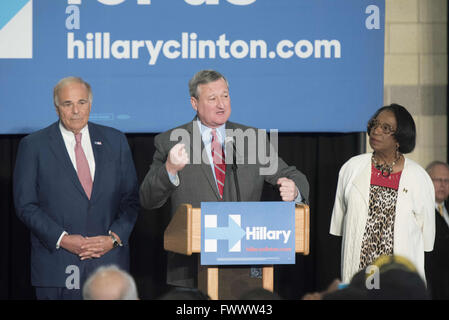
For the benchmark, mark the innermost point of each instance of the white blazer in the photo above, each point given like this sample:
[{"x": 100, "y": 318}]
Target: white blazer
[{"x": 414, "y": 226}]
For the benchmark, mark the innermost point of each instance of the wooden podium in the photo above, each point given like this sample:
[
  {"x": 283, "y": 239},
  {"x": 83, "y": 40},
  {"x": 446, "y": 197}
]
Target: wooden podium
[{"x": 183, "y": 236}]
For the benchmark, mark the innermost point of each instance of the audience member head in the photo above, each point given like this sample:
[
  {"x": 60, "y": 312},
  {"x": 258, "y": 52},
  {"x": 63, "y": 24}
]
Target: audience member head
[
  {"x": 439, "y": 172},
  {"x": 260, "y": 294},
  {"x": 181, "y": 293},
  {"x": 110, "y": 283},
  {"x": 388, "y": 278},
  {"x": 398, "y": 280},
  {"x": 355, "y": 290}
]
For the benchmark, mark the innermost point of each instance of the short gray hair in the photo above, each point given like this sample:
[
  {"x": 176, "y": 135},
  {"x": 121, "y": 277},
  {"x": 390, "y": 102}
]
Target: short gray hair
[
  {"x": 431, "y": 165},
  {"x": 129, "y": 291},
  {"x": 204, "y": 77},
  {"x": 68, "y": 80}
]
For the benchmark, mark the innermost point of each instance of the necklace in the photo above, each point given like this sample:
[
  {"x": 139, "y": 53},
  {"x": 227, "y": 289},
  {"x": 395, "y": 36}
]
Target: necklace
[{"x": 385, "y": 168}]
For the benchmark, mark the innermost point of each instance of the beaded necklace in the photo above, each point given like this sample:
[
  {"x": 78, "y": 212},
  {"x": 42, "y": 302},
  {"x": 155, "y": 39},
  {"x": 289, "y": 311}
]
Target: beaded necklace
[{"x": 385, "y": 168}]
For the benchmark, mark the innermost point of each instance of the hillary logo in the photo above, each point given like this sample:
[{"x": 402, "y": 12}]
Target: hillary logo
[
  {"x": 233, "y": 233},
  {"x": 247, "y": 233},
  {"x": 16, "y": 29}
]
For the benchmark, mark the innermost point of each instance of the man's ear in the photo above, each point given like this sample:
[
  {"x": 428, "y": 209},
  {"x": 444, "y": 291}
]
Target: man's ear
[{"x": 194, "y": 103}]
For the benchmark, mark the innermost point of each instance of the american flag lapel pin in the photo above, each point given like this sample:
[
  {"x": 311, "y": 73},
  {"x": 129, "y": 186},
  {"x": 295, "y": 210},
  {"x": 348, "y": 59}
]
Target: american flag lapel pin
[{"x": 98, "y": 143}]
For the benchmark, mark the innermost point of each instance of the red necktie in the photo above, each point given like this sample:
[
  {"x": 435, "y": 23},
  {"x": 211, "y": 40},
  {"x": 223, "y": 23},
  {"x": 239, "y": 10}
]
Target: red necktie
[
  {"x": 219, "y": 162},
  {"x": 82, "y": 166}
]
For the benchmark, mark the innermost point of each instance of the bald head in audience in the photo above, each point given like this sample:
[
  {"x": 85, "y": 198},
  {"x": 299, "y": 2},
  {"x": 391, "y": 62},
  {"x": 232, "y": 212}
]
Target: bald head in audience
[{"x": 110, "y": 283}]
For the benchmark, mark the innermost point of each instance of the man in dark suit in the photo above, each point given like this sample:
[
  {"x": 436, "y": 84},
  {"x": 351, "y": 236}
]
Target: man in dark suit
[
  {"x": 437, "y": 261},
  {"x": 75, "y": 188},
  {"x": 194, "y": 170}
]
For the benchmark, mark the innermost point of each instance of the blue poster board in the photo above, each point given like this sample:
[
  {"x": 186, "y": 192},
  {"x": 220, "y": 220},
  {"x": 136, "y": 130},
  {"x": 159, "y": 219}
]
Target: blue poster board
[
  {"x": 292, "y": 65},
  {"x": 247, "y": 233}
]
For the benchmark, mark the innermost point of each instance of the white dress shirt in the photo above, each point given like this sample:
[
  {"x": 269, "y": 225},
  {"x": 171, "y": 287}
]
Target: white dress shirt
[{"x": 70, "y": 142}]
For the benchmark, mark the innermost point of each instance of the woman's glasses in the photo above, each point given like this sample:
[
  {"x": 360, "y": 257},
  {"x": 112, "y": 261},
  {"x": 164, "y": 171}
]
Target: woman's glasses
[{"x": 386, "y": 128}]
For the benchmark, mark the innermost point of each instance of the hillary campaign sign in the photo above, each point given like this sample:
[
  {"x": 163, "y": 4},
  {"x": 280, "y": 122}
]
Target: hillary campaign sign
[
  {"x": 292, "y": 65},
  {"x": 247, "y": 233}
]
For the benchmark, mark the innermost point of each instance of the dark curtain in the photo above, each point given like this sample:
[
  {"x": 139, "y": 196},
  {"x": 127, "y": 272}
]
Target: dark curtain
[{"x": 319, "y": 156}]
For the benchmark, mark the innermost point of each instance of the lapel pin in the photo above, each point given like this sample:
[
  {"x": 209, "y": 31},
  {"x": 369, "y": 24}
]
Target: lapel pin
[
  {"x": 98, "y": 143},
  {"x": 405, "y": 190}
]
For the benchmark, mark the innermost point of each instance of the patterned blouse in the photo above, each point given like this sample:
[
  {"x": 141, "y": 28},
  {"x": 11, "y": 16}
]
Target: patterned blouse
[{"x": 379, "y": 228}]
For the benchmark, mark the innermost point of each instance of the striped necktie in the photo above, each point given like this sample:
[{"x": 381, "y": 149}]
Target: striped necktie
[
  {"x": 219, "y": 162},
  {"x": 440, "y": 209},
  {"x": 82, "y": 166}
]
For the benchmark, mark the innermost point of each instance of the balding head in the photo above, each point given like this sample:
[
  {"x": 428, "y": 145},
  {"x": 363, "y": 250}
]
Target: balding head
[
  {"x": 110, "y": 283},
  {"x": 439, "y": 172}
]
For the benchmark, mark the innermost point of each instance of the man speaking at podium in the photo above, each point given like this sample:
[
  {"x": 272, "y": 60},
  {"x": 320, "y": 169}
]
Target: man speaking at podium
[{"x": 201, "y": 169}]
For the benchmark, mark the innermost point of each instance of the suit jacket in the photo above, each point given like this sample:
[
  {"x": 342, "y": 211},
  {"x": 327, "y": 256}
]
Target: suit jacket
[
  {"x": 414, "y": 224},
  {"x": 49, "y": 199},
  {"x": 437, "y": 261},
  {"x": 197, "y": 184}
]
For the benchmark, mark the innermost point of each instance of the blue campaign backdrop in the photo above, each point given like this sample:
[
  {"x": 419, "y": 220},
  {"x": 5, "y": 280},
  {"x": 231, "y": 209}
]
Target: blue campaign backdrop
[{"x": 292, "y": 65}]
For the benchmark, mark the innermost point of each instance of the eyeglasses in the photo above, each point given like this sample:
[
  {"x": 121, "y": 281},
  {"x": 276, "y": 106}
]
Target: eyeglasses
[
  {"x": 440, "y": 180},
  {"x": 71, "y": 104},
  {"x": 386, "y": 128}
]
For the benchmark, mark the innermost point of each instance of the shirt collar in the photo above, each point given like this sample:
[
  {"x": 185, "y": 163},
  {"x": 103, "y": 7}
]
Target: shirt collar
[
  {"x": 69, "y": 134},
  {"x": 206, "y": 131}
]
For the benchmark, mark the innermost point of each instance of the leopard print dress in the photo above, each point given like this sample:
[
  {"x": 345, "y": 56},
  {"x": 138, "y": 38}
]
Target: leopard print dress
[{"x": 379, "y": 229}]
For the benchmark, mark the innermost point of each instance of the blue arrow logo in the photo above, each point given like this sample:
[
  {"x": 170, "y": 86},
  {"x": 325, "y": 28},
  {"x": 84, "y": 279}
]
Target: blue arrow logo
[
  {"x": 233, "y": 233},
  {"x": 9, "y": 8}
]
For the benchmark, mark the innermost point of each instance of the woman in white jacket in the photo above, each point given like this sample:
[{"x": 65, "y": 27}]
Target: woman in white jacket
[{"x": 384, "y": 203}]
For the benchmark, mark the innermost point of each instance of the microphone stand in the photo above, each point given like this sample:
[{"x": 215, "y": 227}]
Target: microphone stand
[
  {"x": 234, "y": 170},
  {"x": 255, "y": 271}
]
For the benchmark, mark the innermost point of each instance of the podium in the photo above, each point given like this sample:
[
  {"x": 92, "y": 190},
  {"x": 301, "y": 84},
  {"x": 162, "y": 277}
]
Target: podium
[{"x": 183, "y": 236}]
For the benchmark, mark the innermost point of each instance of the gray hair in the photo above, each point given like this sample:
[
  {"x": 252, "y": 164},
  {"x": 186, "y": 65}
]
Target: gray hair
[
  {"x": 68, "y": 80},
  {"x": 431, "y": 165},
  {"x": 129, "y": 291},
  {"x": 204, "y": 77}
]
